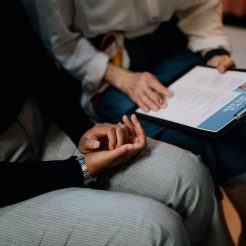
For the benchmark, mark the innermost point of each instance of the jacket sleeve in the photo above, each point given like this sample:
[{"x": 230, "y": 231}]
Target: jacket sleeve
[
  {"x": 54, "y": 22},
  {"x": 203, "y": 26},
  {"x": 20, "y": 181}
]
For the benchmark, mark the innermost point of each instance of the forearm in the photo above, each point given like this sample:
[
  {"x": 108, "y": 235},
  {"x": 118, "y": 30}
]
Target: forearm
[
  {"x": 20, "y": 181},
  {"x": 118, "y": 77}
]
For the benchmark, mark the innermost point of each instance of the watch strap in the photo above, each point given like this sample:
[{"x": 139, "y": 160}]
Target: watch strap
[{"x": 88, "y": 179}]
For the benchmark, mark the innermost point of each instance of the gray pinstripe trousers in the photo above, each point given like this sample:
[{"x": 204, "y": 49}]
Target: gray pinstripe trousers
[{"x": 129, "y": 205}]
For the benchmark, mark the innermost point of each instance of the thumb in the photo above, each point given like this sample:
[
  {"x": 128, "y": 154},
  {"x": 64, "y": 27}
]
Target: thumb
[
  {"x": 92, "y": 144},
  {"x": 86, "y": 145},
  {"x": 99, "y": 161},
  {"x": 118, "y": 153},
  {"x": 226, "y": 64}
]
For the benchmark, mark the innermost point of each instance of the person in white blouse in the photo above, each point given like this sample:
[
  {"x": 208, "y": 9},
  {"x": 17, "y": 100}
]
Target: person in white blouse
[{"x": 125, "y": 53}]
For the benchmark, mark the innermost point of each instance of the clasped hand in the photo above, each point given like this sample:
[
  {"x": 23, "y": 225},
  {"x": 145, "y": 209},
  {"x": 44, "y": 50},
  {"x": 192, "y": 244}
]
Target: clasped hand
[{"x": 108, "y": 145}]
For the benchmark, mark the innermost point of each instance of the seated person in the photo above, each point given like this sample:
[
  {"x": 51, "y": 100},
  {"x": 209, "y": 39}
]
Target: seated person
[
  {"x": 162, "y": 196},
  {"x": 125, "y": 53}
]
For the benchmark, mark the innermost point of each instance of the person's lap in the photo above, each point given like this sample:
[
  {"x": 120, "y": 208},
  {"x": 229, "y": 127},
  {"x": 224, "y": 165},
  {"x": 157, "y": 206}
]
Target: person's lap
[
  {"x": 76, "y": 216},
  {"x": 171, "y": 176},
  {"x": 162, "y": 175}
]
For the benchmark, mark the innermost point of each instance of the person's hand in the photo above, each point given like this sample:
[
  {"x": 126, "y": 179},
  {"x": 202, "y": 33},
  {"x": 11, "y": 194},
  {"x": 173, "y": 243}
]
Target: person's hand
[
  {"x": 143, "y": 88},
  {"x": 221, "y": 62},
  {"x": 104, "y": 135},
  {"x": 136, "y": 133},
  {"x": 101, "y": 160}
]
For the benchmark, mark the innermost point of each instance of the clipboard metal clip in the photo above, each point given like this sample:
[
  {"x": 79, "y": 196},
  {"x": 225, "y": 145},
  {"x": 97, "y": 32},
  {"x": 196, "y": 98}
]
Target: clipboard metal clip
[{"x": 240, "y": 114}]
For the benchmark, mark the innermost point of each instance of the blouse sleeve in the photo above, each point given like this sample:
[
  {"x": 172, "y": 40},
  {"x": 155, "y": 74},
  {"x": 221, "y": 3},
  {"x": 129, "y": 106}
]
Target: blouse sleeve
[
  {"x": 203, "y": 26},
  {"x": 54, "y": 22}
]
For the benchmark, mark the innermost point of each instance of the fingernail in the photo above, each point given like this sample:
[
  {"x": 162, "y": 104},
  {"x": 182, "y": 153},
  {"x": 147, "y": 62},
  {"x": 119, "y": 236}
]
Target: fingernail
[
  {"x": 170, "y": 94},
  {"x": 164, "y": 105},
  {"x": 94, "y": 143},
  {"x": 167, "y": 93},
  {"x": 155, "y": 108}
]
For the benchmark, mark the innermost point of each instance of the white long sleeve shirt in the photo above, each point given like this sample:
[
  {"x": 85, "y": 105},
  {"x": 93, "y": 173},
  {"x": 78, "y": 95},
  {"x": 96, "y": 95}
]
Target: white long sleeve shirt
[{"x": 66, "y": 25}]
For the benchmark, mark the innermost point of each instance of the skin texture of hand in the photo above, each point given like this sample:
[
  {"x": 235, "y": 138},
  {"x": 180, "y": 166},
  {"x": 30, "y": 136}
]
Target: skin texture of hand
[
  {"x": 222, "y": 63},
  {"x": 104, "y": 135},
  {"x": 143, "y": 88},
  {"x": 103, "y": 159}
]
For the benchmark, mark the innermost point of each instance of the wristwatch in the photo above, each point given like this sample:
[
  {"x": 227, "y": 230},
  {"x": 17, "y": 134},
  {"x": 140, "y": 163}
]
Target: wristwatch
[{"x": 88, "y": 179}]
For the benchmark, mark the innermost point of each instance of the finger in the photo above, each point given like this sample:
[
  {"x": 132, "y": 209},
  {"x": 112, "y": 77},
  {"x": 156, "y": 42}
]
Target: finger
[
  {"x": 92, "y": 144},
  {"x": 225, "y": 64},
  {"x": 142, "y": 105},
  {"x": 138, "y": 128},
  {"x": 99, "y": 161},
  {"x": 161, "y": 102},
  {"x": 159, "y": 98},
  {"x": 118, "y": 155},
  {"x": 127, "y": 122},
  {"x": 147, "y": 101},
  {"x": 129, "y": 125},
  {"x": 87, "y": 145},
  {"x": 157, "y": 86},
  {"x": 120, "y": 135},
  {"x": 155, "y": 97},
  {"x": 112, "y": 138},
  {"x": 126, "y": 133}
]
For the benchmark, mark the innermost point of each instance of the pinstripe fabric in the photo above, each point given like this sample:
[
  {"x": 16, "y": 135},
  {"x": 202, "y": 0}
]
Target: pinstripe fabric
[
  {"x": 76, "y": 216},
  {"x": 15, "y": 144},
  {"x": 89, "y": 217},
  {"x": 176, "y": 178},
  {"x": 23, "y": 139},
  {"x": 57, "y": 145}
]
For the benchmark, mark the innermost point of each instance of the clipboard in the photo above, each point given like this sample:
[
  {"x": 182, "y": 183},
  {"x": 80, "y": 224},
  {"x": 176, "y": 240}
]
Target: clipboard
[{"x": 224, "y": 117}]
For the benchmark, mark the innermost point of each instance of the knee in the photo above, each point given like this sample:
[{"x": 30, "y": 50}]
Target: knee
[
  {"x": 194, "y": 172},
  {"x": 156, "y": 224},
  {"x": 195, "y": 186}
]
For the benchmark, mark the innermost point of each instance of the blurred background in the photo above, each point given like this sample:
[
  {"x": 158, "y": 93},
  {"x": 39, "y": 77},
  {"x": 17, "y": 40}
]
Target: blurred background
[
  {"x": 234, "y": 18},
  {"x": 234, "y": 12}
]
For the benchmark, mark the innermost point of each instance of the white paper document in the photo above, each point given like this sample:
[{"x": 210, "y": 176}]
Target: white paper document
[{"x": 204, "y": 99}]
